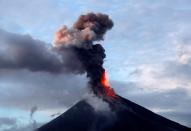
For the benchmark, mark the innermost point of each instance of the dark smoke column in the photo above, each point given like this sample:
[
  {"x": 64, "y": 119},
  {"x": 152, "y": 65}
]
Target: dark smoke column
[
  {"x": 79, "y": 39},
  {"x": 92, "y": 60}
]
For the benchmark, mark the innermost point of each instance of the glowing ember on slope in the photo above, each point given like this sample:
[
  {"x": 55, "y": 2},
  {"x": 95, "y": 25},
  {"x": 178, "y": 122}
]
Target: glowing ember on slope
[{"x": 105, "y": 83}]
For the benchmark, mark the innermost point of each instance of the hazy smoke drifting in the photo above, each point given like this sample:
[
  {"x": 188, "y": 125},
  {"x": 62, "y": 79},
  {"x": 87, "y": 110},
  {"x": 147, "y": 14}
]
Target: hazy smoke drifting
[
  {"x": 23, "y": 52},
  {"x": 32, "y": 111}
]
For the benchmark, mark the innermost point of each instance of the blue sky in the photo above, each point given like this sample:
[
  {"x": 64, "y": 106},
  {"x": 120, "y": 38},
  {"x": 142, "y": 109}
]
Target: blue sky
[{"x": 148, "y": 55}]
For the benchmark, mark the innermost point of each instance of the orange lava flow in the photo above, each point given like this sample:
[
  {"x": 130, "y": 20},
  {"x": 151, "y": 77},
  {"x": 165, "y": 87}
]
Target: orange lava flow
[{"x": 105, "y": 83}]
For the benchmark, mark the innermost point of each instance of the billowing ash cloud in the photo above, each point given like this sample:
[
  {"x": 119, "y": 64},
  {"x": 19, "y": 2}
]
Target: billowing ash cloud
[
  {"x": 86, "y": 29},
  {"x": 98, "y": 23},
  {"x": 73, "y": 50}
]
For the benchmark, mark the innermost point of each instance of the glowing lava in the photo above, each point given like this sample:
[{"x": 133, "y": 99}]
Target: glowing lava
[{"x": 105, "y": 83}]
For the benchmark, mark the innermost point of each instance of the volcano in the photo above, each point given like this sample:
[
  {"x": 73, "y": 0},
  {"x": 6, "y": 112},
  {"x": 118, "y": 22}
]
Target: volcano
[{"x": 124, "y": 116}]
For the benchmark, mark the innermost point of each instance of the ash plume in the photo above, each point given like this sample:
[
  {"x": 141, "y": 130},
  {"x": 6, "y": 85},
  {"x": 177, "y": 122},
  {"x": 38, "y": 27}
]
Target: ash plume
[
  {"x": 87, "y": 29},
  {"x": 73, "y": 51}
]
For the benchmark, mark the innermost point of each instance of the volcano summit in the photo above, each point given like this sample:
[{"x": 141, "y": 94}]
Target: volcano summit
[{"x": 124, "y": 116}]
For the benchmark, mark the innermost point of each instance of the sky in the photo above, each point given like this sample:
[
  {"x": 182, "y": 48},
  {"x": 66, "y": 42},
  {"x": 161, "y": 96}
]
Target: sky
[{"x": 148, "y": 58}]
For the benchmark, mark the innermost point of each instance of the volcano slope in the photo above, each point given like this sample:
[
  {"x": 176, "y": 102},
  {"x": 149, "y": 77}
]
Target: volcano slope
[{"x": 123, "y": 116}]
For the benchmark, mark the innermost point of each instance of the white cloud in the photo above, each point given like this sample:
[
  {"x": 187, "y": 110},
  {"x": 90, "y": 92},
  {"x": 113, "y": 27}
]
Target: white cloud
[{"x": 170, "y": 74}]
